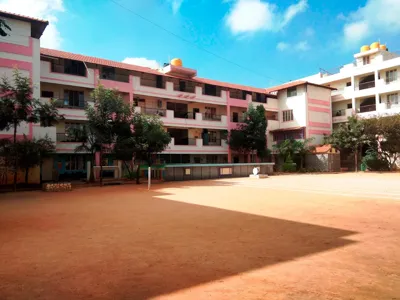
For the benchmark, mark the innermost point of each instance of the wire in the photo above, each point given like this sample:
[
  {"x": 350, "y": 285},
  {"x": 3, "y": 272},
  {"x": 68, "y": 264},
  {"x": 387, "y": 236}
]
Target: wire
[{"x": 191, "y": 43}]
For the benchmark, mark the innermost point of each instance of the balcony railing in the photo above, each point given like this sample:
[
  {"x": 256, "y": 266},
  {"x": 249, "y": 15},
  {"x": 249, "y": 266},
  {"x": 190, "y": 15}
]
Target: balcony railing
[
  {"x": 211, "y": 117},
  {"x": 184, "y": 141},
  {"x": 366, "y": 85},
  {"x": 367, "y": 108},
  {"x": 115, "y": 77},
  {"x": 65, "y": 137},
  {"x": 66, "y": 103},
  {"x": 65, "y": 70},
  {"x": 215, "y": 142},
  {"x": 339, "y": 113},
  {"x": 154, "y": 111},
  {"x": 237, "y": 119}
]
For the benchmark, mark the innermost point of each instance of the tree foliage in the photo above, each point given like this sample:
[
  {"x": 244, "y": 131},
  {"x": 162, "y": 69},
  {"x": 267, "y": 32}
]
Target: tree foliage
[
  {"x": 290, "y": 148},
  {"x": 17, "y": 106},
  {"x": 251, "y": 135},
  {"x": 351, "y": 136}
]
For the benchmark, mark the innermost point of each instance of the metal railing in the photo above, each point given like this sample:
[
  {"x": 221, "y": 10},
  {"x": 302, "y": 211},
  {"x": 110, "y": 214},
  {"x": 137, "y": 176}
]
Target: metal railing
[
  {"x": 339, "y": 113},
  {"x": 367, "y": 108},
  {"x": 66, "y": 103},
  {"x": 217, "y": 142},
  {"x": 184, "y": 141},
  {"x": 239, "y": 119},
  {"x": 366, "y": 85},
  {"x": 211, "y": 117},
  {"x": 115, "y": 77},
  {"x": 184, "y": 114},
  {"x": 154, "y": 111},
  {"x": 65, "y": 137}
]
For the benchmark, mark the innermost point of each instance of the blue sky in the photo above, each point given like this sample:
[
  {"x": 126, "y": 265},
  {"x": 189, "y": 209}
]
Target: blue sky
[{"x": 279, "y": 40}]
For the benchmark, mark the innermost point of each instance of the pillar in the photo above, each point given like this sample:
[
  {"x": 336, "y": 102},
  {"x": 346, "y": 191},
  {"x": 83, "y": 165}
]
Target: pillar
[
  {"x": 377, "y": 102},
  {"x": 97, "y": 158},
  {"x": 353, "y": 100},
  {"x": 228, "y": 119}
]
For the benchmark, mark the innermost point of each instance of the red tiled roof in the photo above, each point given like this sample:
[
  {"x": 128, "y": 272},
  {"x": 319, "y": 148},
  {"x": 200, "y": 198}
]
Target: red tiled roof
[
  {"x": 292, "y": 84},
  {"x": 18, "y": 16},
  {"x": 115, "y": 64},
  {"x": 324, "y": 149}
]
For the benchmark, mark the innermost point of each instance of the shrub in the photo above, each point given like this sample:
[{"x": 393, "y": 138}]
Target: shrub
[
  {"x": 373, "y": 162},
  {"x": 289, "y": 165}
]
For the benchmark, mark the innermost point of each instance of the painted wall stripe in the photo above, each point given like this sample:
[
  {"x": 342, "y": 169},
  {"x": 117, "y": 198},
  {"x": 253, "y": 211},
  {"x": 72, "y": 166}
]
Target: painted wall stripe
[
  {"x": 319, "y": 132},
  {"x": 319, "y": 109},
  {"x": 319, "y": 102},
  {"x": 319, "y": 124}
]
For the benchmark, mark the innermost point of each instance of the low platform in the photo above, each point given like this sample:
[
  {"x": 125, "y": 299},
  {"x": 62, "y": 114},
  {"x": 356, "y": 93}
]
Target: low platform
[{"x": 259, "y": 176}]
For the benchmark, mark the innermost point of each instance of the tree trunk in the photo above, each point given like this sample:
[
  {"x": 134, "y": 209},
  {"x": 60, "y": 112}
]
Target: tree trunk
[
  {"x": 15, "y": 160},
  {"x": 26, "y": 175},
  {"x": 356, "y": 160},
  {"x": 129, "y": 169},
  {"x": 138, "y": 174},
  {"x": 101, "y": 166}
]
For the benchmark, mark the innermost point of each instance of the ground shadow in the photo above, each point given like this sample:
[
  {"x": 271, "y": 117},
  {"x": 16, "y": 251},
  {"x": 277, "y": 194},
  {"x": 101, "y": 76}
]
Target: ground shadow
[{"x": 118, "y": 246}]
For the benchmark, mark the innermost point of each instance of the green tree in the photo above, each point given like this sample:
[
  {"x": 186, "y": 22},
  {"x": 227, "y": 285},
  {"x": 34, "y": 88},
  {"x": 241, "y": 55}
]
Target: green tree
[
  {"x": 385, "y": 131},
  {"x": 145, "y": 137},
  {"x": 351, "y": 136},
  {"x": 3, "y": 28},
  {"x": 250, "y": 136},
  {"x": 289, "y": 148},
  {"x": 17, "y": 106}
]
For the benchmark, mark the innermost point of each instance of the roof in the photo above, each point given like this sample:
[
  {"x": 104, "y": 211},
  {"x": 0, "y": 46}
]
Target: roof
[
  {"x": 324, "y": 149},
  {"x": 38, "y": 25},
  {"x": 130, "y": 67},
  {"x": 295, "y": 83},
  {"x": 288, "y": 129}
]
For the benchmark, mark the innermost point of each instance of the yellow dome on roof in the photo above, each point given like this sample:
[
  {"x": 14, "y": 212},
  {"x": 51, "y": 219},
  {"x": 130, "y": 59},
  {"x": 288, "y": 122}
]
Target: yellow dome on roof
[
  {"x": 176, "y": 62},
  {"x": 375, "y": 45},
  {"x": 364, "y": 48},
  {"x": 383, "y": 47}
]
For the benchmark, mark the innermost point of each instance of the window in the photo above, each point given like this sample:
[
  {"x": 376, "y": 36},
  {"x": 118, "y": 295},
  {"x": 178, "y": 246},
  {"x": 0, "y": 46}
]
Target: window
[
  {"x": 210, "y": 90},
  {"x": 197, "y": 159},
  {"x": 211, "y": 159},
  {"x": 47, "y": 94},
  {"x": 366, "y": 60},
  {"x": 393, "y": 99},
  {"x": 261, "y": 98},
  {"x": 108, "y": 73},
  {"x": 292, "y": 91},
  {"x": 210, "y": 112},
  {"x": 67, "y": 66},
  {"x": 287, "y": 115},
  {"x": 182, "y": 85},
  {"x": 74, "y": 99},
  {"x": 391, "y": 76},
  {"x": 349, "y": 105},
  {"x": 348, "y": 83},
  {"x": 212, "y": 136},
  {"x": 225, "y": 171},
  {"x": 159, "y": 82}
]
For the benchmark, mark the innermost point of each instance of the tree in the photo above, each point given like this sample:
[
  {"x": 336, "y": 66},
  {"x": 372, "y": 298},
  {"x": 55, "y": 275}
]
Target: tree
[
  {"x": 351, "y": 136},
  {"x": 17, "y": 106},
  {"x": 145, "y": 137},
  {"x": 3, "y": 28},
  {"x": 251, "y": 135},
  {"x": 289, "y": 148},
  {"x": 105, "y": 119},
  {"x": 385, "y": 132}
]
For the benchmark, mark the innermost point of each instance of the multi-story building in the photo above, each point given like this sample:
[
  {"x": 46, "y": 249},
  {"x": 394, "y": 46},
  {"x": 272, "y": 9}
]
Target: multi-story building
[
  {"x": 197, "y": 112},
  {"x": 368, "y": 86}
]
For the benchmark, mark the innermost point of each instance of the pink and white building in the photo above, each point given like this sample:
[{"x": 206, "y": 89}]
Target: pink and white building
[{"x": 197, "y": 112}]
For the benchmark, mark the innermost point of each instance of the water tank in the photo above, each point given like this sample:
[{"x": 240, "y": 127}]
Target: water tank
[
  {"x": 364, "y": 48},
  {"x": 375, "y": 45},
  {"x": 383, "y": 47},
  {"x": 176, "y": 62}
]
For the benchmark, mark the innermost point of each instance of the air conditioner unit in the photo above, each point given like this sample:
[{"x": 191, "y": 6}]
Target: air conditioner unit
[{"x": 159, "y": 103}]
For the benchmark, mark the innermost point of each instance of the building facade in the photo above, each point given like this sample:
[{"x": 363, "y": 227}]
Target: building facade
[
  {"x": 368, "y": 86},
  {"x": 197, "y": 112}
]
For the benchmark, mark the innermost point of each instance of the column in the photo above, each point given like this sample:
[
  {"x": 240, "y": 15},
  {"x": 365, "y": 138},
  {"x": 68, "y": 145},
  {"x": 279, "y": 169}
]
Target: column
[
  {"x": 377, "y": 102},
  {"x": 228, "y": 117},
  {"x": 353, "y": 100}
]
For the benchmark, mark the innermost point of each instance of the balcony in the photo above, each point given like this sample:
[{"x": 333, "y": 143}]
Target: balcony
[
  {"x": 366, "y": 85},
  {"x": 367, "y": 108},
  {"x": 237, "y": 119},
  {"x": 66, "y": 138},
  {"x": 172, "y": 118},
  {"x": 196, "y": 146},
  {"x": 66, "y": 103},
  {"x": 341, "y": 115},
  {"x": 72, "y": 112}
]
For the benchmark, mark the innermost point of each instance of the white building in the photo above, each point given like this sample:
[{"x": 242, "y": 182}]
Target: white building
[
  {"x": 197, "y": 112},
  {"x": 367, "y": 87}
]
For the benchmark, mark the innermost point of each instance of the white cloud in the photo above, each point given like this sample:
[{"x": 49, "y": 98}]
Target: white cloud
[
  {"x": 42, "y": 9},
  {"x": 176, "y": 5},
  {"x": 247, "y": 16},
  {"x": 376, "y": 18},
  {"x": 356, "y": 31},
  {"x": 282, "y": 46},
  {"x": 299, "y": 46},
  {"x": 142, "y": 61}
]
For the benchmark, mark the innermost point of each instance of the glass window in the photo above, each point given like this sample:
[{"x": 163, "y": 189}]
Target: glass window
[
  {"x": 287, "y": 115},
  {"x": 393, "y": 98},
  {"x": 366, "y": 60},
  {"x": 292, "y": 91},
  {"x": 47, "y": 94},
  {"x": 74, "y": 98},
  {"x": 391, "y": 75}
]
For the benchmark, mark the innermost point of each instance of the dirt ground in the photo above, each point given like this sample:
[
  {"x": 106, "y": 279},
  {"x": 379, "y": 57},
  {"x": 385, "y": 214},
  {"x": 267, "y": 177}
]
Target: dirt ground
[{"x": 286, "y": 237}]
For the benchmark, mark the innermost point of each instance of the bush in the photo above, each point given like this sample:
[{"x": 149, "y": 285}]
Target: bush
[
  {"x": 373, "y": 162},
  {"x": 130, "y": 176},
  {"x": 289, "y": 165}
]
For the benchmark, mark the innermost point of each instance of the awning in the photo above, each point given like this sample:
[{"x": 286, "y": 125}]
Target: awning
[{"x": 287, "y": 129}]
